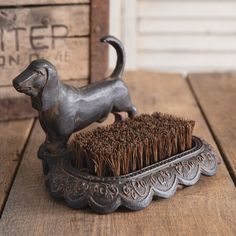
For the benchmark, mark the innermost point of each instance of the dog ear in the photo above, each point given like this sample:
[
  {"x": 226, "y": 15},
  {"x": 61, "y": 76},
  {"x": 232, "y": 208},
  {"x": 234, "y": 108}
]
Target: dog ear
[{"x": 51, "y": 88}]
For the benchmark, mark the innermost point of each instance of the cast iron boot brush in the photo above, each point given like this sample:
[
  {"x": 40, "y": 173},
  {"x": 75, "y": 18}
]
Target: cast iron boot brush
[{"x": 123, "y": 164}]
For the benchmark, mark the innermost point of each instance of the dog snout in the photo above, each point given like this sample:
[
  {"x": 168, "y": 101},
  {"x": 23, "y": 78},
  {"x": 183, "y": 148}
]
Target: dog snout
[
  {"x": 21, "y": 79},
  {"x": 16, "y": 84}
]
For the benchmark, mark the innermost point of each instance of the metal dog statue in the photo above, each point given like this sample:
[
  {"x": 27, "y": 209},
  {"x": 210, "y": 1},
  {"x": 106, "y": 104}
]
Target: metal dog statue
[{"x": 64, "y": 109}]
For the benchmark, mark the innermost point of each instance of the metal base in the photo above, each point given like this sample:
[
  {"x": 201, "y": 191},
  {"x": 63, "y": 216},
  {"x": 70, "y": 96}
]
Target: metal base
[{"x": 133, "y": 191}]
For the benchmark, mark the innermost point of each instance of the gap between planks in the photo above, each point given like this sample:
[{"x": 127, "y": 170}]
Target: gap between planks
[
  {"x": 20, "y": 157},
  {"x": 42, "y": 5},
  {"x": 227, "y": 163}
]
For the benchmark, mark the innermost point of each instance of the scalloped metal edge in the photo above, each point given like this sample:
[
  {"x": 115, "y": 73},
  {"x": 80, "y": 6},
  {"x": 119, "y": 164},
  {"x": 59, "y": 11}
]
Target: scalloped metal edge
[{"x": 134, "y": 191}]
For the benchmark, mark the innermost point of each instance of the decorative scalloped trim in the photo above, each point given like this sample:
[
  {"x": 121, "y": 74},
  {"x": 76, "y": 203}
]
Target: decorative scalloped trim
[{"x": 136, "y": 190}]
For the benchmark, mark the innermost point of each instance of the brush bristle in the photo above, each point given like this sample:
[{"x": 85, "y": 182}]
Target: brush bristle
[{"x": 124, "y": 147}]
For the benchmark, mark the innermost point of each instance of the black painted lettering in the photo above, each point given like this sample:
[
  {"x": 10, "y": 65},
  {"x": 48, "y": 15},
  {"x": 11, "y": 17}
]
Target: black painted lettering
[
  {"x": 62, "y": 35},
  {"x": 2, "y": 61},
  {"x": 37, "y": 38},
  {"x": 15, "y": 60},
  {"x": 1, "y": 39},
  {"x": 16, "y": 30}
]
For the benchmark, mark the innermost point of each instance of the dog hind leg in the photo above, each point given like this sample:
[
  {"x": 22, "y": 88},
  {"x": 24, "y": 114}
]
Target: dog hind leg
[
  {"x": 125, "y": 105},
  {"x": 132, "y": 111},
  {"x": 118, "y": 117}
]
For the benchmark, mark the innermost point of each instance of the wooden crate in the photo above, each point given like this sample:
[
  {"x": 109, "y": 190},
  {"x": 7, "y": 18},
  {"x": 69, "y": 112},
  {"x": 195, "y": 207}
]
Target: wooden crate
[{"x": 66, "y": 32}]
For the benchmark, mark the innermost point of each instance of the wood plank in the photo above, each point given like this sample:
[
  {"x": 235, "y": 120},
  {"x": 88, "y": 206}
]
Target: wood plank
[
  {"x": 129, "y": 32},
  {"x": 14, "y": 105},
  {"x": 216, "y": 94},
  {"x": 187, "y": 60},
  {"x": 13, "y": 136},
  {"x": 39, "y": 2},
  {"x": 99, "y": 28},
  {"x": 74, "y": 18},
  {"x": 115, "y": 22},
  {"x": 207, "y": 43},
  {"x": 187, "y": 9},
  {"x": 187, "y": 26},
  {"x": 206, "y": 208},
  {"x": 30, "y": 33},
  {"x": 123, "y": 25}
]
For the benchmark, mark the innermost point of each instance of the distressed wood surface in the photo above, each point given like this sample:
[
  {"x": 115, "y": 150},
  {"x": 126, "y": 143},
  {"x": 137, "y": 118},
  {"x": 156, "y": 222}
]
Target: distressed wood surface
[
  {"x": 99, "y": 28},
  {"x": 216, "y": 94},
  {"x": 39, "y": 2},
  {"x": 59, "y": 34},
  {"x": 13, "y": 136},
  {"x": 208, "y": 208},
  {"x": 14, "y": 105}
]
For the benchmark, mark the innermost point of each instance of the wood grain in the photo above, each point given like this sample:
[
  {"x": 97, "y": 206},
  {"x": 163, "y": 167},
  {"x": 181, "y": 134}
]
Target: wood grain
[
  {"x": 183, "y": 9},
  {"x": 99, "y": 28},
  {"x": 208, "y": 208},
  {"x": 186, "y": 61},
  {"x": 216, "y": 94},
  {"x": 187, "y": 43},
  {"x": 13, "y": 136},
  {"x": 186, "y": 36},
  {"x": 39, "y": 2},
  {"x": 187, "y": 26},
  {"x": 14, "y": 105},
  {"x": 59, "y": 34}
]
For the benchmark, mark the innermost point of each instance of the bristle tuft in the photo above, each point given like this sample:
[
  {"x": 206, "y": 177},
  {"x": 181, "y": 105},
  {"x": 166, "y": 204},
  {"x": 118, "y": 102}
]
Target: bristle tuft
[{"x": 124, "y": 147}]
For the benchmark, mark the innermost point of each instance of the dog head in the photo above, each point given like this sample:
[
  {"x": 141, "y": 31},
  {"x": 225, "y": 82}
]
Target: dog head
[{"x": 39, "y": 80}]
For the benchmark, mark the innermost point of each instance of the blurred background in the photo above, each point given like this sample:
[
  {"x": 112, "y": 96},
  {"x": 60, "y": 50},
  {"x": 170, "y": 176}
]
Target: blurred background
[{"x": 176, "y": 35}]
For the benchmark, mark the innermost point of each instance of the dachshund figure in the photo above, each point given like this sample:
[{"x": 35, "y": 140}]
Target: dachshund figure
[{"x": 64, "y": 109}]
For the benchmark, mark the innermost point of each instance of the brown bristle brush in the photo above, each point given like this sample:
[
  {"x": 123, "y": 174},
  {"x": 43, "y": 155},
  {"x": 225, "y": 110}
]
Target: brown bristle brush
[
  {"x": 124, "y": 147},
  {"x": 126, "y": 163}
]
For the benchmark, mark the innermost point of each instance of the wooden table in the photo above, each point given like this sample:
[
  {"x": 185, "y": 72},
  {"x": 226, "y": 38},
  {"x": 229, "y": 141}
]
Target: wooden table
[{"x": 208, "y": 208}]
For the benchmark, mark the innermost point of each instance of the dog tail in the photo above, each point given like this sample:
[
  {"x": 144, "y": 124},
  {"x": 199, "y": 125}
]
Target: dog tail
[{"x": 120, "y": 62}]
